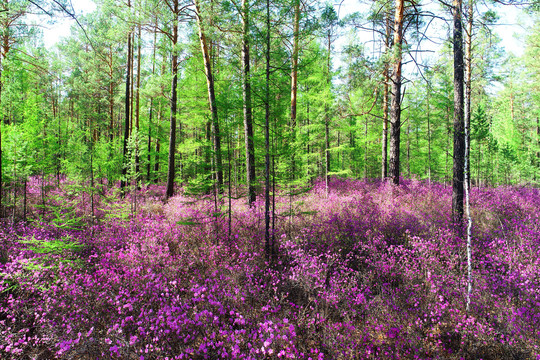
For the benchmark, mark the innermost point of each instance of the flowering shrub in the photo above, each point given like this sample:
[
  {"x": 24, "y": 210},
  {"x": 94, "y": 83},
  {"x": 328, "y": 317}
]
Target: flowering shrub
[{"x": 372, "y": 271}]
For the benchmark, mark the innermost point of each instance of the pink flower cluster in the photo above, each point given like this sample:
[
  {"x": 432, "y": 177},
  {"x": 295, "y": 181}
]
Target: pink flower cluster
[{"x": 371, "y": 271}]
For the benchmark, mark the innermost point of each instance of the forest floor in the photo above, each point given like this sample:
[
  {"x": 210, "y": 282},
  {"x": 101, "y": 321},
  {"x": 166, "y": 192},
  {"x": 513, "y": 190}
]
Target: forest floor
[{"x": 369, "y": 271}]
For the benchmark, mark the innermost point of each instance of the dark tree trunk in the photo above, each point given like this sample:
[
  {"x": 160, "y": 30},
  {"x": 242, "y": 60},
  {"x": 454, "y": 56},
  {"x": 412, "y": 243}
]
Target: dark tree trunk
[
  {"x": 172, "y": 132},
  {"x": 211, "y": 99},
  {"x": 459, "y": 126},
  {"x": 248, "y": 117},
  {"x": 395, "y": 111},
  {"x": 158, "y": 148},
  {"x": 294, "y": 83},
  {"x": 111, "y": 100}
]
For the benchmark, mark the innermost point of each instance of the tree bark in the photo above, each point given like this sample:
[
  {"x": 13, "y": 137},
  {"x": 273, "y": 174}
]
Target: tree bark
[
  {"x": 408, "y": 148},
  {"x": 428, "y": 90},
  {"x": 468, "y": 89},
  {"x": 248, "y": 117},
  {"x": 137, "y": 100},
  {"x": 395, "y": 111},
  {"x": 158, "y": 146},
  {"x": 294, "y": 60},
  {"x": 172, "y": 132},
  {"x": 267, "y": 245},
  {"x": 151, "y": 112},
  {"x": 365, "y": 147},
  {"x": 127, "y": 114},
  {"x": 111, "y": 96},
  {"x": 132, "y": 80},
  {"x": 537, "y": 140},
  {"x": 459, "y": 134},
  {"x": 211, "y": 99},
  {"x": 294, "y": 83},
  {"x": 327, "y": 117},
  {"x": 137, "y": 95},
  {"x": 384, "y": 141}
]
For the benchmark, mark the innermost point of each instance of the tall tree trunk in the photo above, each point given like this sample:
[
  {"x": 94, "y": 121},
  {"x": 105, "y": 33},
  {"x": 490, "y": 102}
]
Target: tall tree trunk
[
  {"x": 137, "y": 101},
  {"x": 267, "y": 244},
  {"x": 468, "y": 208},
  {"x": 111, "y": 112},
  {"x": 537, "y": 142},
  {"x": 172, "y": 132},
  {"x": 308, "y": 142},
  {"x": 127, "y": 108},
  {"x": 447, "y": 148},
  {"x": 459, "y": 134},
  {"x": 408, "y": 148},
  {"x": 158, "y": 146},
  {"x": 2, "y": 56},
  {"x": 468, "y": 87},
  {"x": 395, "y": 111},
  {"x": 5, "y": 47},
  {"x": 428, "y": 90},
  {"x": 294, "y": 81},
  {"x": 384, "y": 160},
  {"x": 248, "y": 117},
  {"x": 365, "y": 148},
  {"x": 151, "y": 111},
  {"x": 211, "y": 98},
  {"x": 132, "y": 90},
  {"x": 327, "y": 118}
]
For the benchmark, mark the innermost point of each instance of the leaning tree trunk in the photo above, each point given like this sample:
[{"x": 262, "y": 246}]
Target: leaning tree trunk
[
  {"x": 211, "y": 98},
  {"x": 172, "y": 133},
  {"x": 459, "y": 134},
  {"x": 248, "y": 116},
  {"x": 395, "y": 111}
]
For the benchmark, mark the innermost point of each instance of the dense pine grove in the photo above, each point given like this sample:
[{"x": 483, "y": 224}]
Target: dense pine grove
[{"x": 269, "y": 179}]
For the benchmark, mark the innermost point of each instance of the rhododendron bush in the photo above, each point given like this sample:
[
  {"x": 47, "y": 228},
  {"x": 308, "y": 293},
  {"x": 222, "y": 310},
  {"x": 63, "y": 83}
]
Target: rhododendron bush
[{"x": 369, "y": 271}]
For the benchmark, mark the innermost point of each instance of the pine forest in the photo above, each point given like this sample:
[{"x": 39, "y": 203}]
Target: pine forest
[{"x": 273, "y": 179}]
